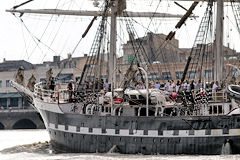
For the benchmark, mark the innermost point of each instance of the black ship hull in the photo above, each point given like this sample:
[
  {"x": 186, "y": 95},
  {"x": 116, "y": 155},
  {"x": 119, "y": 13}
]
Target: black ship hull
[
  {"x": 146, "y": 135},
  {"x": 80, "y": 143}
]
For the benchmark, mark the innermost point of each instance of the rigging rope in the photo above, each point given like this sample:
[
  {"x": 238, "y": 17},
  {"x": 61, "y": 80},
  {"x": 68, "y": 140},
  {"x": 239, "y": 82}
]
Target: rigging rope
[
  {"x": 15, "y": 7},
  {"x": 200, "y": 41}
]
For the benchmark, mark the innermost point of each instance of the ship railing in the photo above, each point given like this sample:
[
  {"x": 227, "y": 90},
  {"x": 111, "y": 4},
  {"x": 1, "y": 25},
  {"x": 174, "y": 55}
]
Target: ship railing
[
  {"x": 212, "y": 96},
  {"x": 220, "y": 96},
  {"x": 51, "y": 96}
]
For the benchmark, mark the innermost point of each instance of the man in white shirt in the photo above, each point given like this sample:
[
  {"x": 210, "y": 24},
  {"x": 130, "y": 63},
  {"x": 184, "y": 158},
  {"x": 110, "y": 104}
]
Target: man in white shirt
[
  {"x": 215, "y": 87},
  {"x": 157, "y": 85}
]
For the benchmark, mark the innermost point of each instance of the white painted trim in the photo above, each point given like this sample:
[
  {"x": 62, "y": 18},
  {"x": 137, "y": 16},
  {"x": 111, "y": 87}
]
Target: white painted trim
[
  {"x": 168, "y": 133},
  {"x": 183, "y": 133},
  {"x": 152, "y": 133},
  {"x": 61, "y": 127},
  {"x": 124, "y": 132},
  {"x": 110, "y": 132},
  {"x": 84, "y": 130},
  {"x": 216, "y": 132},
  {"x": 52, "y": 107},
  {"x": 199, "y": 133},
  {"x": 139, "y": 133},
  {"x": 72, "y": 128},
  {"x": 97, "y": 131},
  {"x": 233, "y": 132}
]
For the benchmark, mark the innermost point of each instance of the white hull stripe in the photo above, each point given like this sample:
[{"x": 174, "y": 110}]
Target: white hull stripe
[{"x": 141, "y": 133}]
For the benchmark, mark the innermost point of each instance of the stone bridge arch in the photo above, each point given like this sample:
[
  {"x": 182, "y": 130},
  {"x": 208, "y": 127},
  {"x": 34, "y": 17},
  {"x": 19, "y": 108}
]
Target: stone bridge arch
[
  {"x": 24, "y": 124},
  {"x": 21, "y": 119}
]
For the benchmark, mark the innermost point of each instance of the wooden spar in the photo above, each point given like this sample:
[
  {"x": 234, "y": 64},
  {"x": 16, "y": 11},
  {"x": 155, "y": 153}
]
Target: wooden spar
[
  {"x": 89, "y": 26},
  {"x": 93, "y": 13},
  {"x": 186, "y": 15}
]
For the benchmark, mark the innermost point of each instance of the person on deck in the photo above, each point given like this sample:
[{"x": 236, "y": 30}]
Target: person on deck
[
  {"x": 70, "y": 88},
  {"x": 106, "y": 85},
  {"x": 177, "y": 86},
  {"x": 96, "y": 85},
  {"x": 140, "y": 85},
  {"x": 101, "y": 85},
  {"x": 215, "y": 87},
  {"x": 157, "y": 85},
  {"x": 199, "y": 85}
]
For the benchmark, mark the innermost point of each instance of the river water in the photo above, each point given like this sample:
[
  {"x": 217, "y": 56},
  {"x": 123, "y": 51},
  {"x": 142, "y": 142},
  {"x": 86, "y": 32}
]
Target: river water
[{"x": 33, "y": 145}]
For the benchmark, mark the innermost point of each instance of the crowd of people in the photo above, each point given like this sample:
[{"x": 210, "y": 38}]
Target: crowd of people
[{"x": 170, "y": 86}]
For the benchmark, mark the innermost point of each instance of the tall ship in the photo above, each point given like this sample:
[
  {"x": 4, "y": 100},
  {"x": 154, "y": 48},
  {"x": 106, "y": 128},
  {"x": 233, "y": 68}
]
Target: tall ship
[{"x": 137, "y": 117}]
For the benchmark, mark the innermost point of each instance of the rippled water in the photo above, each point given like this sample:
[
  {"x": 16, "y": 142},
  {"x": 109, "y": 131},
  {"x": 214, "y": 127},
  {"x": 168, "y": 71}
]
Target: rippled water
[{"x": 33, "y": 145}]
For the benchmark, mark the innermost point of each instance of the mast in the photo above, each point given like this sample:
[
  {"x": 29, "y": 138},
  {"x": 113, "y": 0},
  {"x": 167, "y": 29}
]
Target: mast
[
  {"x": 218, "y": 52},
  {"x": 112, "y": 55}
]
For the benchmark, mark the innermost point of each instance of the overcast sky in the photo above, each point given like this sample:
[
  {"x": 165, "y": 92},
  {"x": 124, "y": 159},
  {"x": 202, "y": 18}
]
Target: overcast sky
[{"x": 59, "y": 35}]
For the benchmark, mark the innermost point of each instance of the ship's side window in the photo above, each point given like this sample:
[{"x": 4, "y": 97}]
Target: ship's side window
[
  {"x": 215, "y": 109},
  {"x": 220, "y": 109},
  {"x": 102, "y": 108},
  {"x": 106, "y": 109},
  {"x": 210, "y": 110}
]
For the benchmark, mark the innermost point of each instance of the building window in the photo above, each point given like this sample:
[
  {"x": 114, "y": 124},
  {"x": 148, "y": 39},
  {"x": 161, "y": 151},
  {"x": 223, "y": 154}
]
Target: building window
[
  {"x": 13, "y": 102},
  {"x": 8, "y": 83},
  {"x": 208, "y": 73},
  {"x": 65, "y": 78},
  {"x": 153, "y": 77},
  {"x": 179, "y": 75},
  {"x": 193, "y": 74},
  {"x": 43, "y": 80},
  {"x": 0, "y": 83},
  {"x": 166, "y": 75},
  {"x": 3, "y": 102},
  {"x": 103, "y": 77}
]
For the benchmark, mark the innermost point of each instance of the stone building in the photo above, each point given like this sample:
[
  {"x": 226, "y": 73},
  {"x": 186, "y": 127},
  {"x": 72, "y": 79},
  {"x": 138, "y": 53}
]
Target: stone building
[{"x": 168, "y": 61}]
